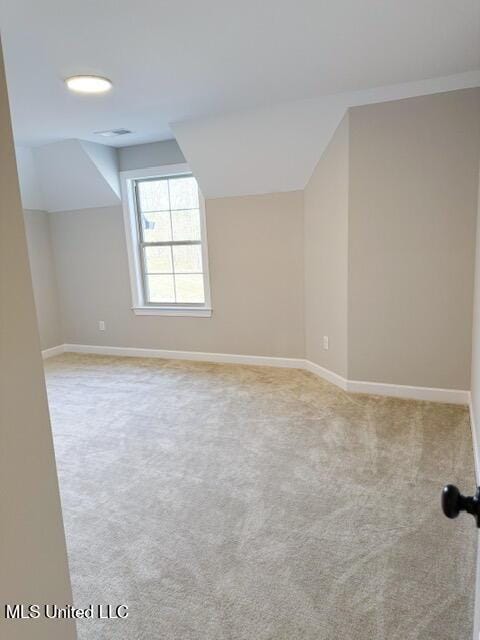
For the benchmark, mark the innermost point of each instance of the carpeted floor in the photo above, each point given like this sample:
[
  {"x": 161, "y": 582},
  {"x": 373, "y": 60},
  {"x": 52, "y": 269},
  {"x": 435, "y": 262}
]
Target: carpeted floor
[{"x": 248, "y": 503}]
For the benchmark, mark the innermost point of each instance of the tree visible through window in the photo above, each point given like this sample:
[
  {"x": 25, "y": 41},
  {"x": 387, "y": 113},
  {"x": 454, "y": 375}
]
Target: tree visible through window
[{"x": 170, "y": 240}]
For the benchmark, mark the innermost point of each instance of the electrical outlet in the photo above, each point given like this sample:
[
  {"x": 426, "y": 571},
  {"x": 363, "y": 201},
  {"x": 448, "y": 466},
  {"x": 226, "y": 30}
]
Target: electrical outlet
[
  {"x": 325, "y": 343},
  {"x": 101, "y": 325}
]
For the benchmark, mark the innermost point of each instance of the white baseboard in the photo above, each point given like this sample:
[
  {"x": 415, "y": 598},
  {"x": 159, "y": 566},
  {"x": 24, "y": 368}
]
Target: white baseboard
[
  {"x": 432, "y": 394},
  {"x": 53, "y": 351},
  {"x": 452, "y": 396},
  {"x": 326, "y": 374},
  {"x": 197, "y": 356}
]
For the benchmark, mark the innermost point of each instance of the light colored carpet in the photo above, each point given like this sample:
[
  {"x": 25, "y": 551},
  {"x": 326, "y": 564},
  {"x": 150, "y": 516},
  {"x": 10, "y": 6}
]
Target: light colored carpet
[{"x": 247, "y": 503}]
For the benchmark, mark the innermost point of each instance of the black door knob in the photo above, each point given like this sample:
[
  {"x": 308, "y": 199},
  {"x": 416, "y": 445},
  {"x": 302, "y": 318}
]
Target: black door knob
[{"x": 453, "y": 502}]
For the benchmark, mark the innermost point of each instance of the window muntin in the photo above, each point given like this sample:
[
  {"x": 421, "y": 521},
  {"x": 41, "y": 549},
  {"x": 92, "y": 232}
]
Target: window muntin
[{"x": 170, "y": 240}]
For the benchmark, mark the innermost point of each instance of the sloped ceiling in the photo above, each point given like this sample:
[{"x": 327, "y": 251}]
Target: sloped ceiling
[
  {"x": 106, "y": 160},
  {"x": 77, "y": 175},
  {"x": 29, "y": 180},
  {"x": 276, "y": 148},
  {"x": 259, "y": 151}
]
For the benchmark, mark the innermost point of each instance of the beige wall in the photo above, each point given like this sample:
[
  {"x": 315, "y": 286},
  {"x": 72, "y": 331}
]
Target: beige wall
[
  {"x": 386, "y": 256},
  {"x": 33, "y": 561},
  {"x": 413, "y": 199},
  {"x": 44, "y": 278},
  {"x": 326, "y": 255},
  {"x": 255, "y": 248}
]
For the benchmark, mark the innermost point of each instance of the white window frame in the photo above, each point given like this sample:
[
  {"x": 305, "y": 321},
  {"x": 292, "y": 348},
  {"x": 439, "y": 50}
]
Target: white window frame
[{"x": 139, "y": 306}]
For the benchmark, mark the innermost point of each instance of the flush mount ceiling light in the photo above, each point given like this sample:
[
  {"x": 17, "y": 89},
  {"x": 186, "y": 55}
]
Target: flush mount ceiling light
[{"x": 88, "y": 84}]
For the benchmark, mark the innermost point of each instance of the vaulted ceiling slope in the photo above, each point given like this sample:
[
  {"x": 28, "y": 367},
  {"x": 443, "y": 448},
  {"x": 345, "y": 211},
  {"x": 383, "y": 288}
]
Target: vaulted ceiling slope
[
  {"x": 277, "y": 148},
  {"x": 77, "y": 174},
  {"x": 74, "y": 174}
]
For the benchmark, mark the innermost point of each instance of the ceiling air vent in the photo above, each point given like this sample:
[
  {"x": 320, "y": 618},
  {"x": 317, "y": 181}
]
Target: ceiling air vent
[{"x": 111, "y": 133}]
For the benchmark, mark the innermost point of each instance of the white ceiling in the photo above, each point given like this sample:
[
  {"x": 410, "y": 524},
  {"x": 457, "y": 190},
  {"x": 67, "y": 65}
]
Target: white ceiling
[{"x": 176, "y": 61}]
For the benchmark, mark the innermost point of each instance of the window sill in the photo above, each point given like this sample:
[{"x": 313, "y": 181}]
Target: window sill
[{"x": 196, "y": 312}]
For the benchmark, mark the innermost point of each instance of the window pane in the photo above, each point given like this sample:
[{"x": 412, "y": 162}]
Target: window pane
[
  {"x": 153, "y": 195},
  {"x": 156, "y": 226},
  {"x": 183, "y": 193},
  {"x": 158, "y": 260},
  {"x": 186, "y": 225},
  {"x": 187, "y": 258},
  {"x": 160, "y": 288},
  {"x": 190, "y": 288}
]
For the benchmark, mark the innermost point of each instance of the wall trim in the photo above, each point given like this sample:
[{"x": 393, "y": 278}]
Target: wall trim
[
  {"x": 431, "y": 394},
  {"x": 326, "y": 374},
  {"x": 196, "y": 356},
  {"x": 53, "y": 351}
]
